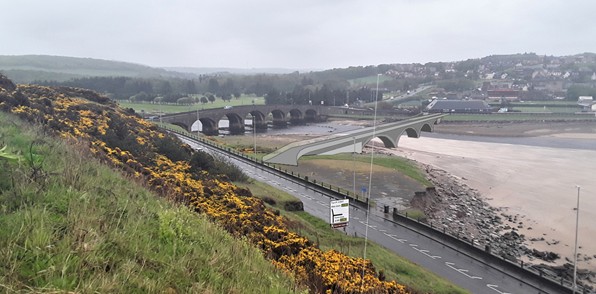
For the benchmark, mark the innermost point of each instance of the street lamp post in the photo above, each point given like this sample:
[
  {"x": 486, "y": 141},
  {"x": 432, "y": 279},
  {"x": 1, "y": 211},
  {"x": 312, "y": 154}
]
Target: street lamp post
[
  {"x": 254, "y": 129},
  {"x": 254, "y": 134},
  {"x": 575, "y": 251},
  {"x": 354, "y": 168},
  {"x": 198, "y": 124}
]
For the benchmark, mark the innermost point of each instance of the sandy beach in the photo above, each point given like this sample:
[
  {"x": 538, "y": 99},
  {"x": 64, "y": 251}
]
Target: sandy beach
[{"x": 536, "y": 183}]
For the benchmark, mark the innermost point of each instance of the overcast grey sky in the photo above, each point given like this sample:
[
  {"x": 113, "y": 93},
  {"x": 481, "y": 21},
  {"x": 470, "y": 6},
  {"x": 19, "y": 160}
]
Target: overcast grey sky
[{"x": 306, "y": 34}]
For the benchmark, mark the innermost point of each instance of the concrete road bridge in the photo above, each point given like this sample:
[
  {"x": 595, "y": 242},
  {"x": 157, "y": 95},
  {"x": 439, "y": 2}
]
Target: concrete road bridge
[
  {"x": 353, "y": 141},
  {"x": 278, "y": 115}
]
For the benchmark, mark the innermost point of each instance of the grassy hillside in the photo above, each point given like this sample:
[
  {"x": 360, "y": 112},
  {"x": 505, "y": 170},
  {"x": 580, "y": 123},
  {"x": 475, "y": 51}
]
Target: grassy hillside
[
  {"x": 68, "y": 223},
  {"x": 26, "y": 68},
  {"x": 157, "y": 159}
]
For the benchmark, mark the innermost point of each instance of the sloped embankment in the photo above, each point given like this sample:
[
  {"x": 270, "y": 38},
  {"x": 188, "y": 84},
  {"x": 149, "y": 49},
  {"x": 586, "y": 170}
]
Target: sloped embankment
[
  {"x": 69, "y": 223},
  {"x": 147, "y": 155}
]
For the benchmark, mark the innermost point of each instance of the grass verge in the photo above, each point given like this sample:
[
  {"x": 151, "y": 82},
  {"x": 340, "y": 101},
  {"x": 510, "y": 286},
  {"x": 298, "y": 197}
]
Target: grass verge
[{"x": 404, "y": 166}]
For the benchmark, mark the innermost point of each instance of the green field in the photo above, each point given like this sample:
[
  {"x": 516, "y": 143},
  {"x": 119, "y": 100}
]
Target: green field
[
  {"x": 370, "y": 80},
  {"x": 520, "y": 116},
  {"x": 404, "y": 166},
  {"x": 152, "y": 108}
]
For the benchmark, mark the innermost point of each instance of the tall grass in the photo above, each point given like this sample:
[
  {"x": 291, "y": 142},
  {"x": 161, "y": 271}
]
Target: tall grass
[{"x": 68, "y": 223}]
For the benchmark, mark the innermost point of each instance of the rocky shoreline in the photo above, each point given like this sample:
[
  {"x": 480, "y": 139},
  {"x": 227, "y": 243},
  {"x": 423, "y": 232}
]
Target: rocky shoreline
[{"x": 463, "y": 212}]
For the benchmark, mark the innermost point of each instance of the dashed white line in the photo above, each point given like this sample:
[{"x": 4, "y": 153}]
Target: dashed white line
[
  {"x": 494, "y": 287},
  {"x": 461, "y": 271},
  {"x": 394, "y": 237},
  {"x": 424, "y": 251}
]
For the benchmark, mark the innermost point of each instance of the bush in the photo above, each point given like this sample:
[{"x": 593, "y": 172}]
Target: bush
[{"x": 225, "y": 168}]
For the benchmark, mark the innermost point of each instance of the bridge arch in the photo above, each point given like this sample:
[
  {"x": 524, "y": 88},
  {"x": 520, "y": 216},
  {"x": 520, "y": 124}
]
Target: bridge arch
[
  {"x": 279, "y": 118},
  {"x": 182, "y": 125},
  {"x": 412, "y": 133},
  {"x": 209, "y": 126},
  {"x": 295, "y": 116},
  {"x": 310, "y": 115},
  {"x": 236, "y": 123},
  {"x": 387, "y": 141},
  {"x": 259, "y": 120}
]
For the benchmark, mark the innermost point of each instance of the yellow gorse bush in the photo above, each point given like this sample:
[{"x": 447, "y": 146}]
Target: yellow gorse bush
[{"x": 129, "y": 143}]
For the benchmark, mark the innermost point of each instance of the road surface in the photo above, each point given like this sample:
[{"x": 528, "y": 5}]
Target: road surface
[{"x": 456, "y": 267}]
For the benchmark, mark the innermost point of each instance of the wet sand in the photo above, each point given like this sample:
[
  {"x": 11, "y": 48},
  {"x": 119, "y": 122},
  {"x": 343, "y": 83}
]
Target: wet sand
[{"x": 536, "y": 183}]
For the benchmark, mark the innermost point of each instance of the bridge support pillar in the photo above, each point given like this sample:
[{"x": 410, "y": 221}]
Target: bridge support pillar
[
  {"x": 297, "y": 121},
  {"x": 261, "y": 126},
  {"x": 236, "y": 129},
  {"x": 210, "y": 131},
  {"x": 280, "y": 124}
]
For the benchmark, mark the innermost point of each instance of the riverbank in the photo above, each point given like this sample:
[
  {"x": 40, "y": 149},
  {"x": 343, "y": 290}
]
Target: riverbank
[
  {"x": 580, "y": 130},
  {"x": 533, "y": 188}
]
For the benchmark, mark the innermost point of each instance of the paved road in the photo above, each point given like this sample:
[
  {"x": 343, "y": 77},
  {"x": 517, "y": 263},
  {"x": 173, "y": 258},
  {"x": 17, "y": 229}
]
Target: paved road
[{"x": 460, "y": 269}]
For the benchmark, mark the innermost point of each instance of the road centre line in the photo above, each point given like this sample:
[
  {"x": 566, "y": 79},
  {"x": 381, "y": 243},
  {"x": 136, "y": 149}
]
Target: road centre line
[
  {"x": 394, "y": 237},
  {"x": 461, "y": 271},
  {"x": 424, "y": 251},
  {"x": 494, "y": 287}
]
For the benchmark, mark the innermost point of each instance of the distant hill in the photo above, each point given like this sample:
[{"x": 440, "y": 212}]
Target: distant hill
[
  {"x": 27, "y": 68},
  {"x": 241, "y": 71}
]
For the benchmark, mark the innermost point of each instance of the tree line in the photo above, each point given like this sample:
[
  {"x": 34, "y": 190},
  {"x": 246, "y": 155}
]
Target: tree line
[{"x": 292, "y": 88}]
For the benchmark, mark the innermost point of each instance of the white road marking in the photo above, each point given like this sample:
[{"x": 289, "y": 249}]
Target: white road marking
[
  {"x": 394, "y": 237},
  {"x": 424, "y": 251},
  {"x": 370, "y": 226},
  {"x": 494, "y": 287},
  {"x": 461, "y": 271}
]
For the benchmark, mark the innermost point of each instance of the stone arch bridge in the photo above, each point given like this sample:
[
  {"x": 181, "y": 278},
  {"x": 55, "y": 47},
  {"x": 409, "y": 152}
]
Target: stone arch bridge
[
  {"x": 353, "y": 141},
  {"x": 278, "y": 115}
]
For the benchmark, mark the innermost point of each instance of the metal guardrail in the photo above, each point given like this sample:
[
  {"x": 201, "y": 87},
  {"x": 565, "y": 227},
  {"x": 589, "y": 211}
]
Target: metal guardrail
[{"x": 455, "y": 242}]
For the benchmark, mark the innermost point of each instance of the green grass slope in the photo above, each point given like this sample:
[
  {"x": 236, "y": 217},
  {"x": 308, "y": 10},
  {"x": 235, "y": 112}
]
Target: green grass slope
[
  {"x": 69, "y": 223},
  {"x": 26, "y": 68}
]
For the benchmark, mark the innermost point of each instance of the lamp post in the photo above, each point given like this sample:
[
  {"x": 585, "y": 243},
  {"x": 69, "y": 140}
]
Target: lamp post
[
  {"x": 198, "y": 124},
  {"x": 575, "y": 251},
  {"x": 354, "y": 168},
  {"x": 254, "y": 129},
  {"x": 254, "y": 134}
]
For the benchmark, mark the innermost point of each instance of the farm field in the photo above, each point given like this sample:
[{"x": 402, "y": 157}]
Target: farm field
[{"x": 149, "y": 107}]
